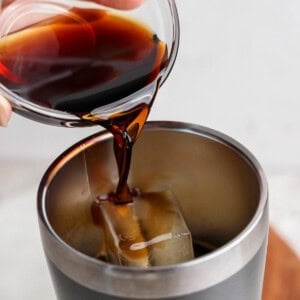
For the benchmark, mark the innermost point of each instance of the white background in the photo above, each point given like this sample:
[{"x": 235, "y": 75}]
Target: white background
[{"x": 238, "y": 71}]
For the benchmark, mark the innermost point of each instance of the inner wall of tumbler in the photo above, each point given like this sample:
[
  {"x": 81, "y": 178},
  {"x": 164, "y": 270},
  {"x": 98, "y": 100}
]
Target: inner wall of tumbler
[{"x": 216, "y": 188}]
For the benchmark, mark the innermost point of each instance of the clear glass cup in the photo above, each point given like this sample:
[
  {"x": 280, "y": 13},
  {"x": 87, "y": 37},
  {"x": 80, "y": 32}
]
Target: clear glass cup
[{"x": 158, "y": 15}]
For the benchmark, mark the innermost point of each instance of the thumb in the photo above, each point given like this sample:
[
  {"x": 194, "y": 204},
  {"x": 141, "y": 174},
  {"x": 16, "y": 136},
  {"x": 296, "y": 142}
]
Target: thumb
[
  {"x": 5, "y": 111},
  {"x": 120, "y": 4}
]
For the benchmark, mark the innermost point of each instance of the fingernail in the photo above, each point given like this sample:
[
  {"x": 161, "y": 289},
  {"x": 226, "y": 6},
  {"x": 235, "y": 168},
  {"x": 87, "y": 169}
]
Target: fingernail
[{"x": 5, "y": 112}]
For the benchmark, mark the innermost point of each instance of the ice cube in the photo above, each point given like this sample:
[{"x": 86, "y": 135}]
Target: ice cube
[
  {"x": 122, "y": 230},
  {"x": 150, "y": 231}
]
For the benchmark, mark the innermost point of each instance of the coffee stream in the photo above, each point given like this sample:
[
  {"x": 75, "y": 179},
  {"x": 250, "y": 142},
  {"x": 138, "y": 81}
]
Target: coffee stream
[{"x": 125, "y": 127}]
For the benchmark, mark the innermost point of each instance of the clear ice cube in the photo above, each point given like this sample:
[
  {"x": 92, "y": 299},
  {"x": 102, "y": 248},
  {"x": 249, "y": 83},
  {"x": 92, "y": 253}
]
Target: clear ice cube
[{"x": 150, "y": 231}]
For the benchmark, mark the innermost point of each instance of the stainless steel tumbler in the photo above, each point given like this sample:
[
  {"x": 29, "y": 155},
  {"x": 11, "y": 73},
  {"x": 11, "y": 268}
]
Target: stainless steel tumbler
[{"x": 221, "y": 190}]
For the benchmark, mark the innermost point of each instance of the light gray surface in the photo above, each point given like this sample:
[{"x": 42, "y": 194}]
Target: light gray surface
[{"x": 237, "y": 72}]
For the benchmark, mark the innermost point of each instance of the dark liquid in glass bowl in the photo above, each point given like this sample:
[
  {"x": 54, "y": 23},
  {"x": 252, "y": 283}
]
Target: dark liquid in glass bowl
[{"x": 81, "y": 60}]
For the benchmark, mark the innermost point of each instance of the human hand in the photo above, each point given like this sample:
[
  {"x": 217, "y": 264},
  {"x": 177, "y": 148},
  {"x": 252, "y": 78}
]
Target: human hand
[
  {"x": 5, "y": 107},
  {"x": 5, "y": 111},
  {"x": 120, "y": 4}
]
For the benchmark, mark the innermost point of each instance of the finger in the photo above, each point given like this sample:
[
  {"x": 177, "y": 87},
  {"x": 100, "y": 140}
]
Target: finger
[
  {"x": 121, "y": 4},
  {"x": 5, "y": 111}
]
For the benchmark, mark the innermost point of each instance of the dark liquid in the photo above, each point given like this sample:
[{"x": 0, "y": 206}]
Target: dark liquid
[
  {"x": 202, "y": 248},
  {"x": 82, "y": 61},
  {"x": 125, "y": 128}
]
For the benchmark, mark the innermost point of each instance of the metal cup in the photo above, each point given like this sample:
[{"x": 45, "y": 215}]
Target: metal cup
[{"x": 222, "y": 192}]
